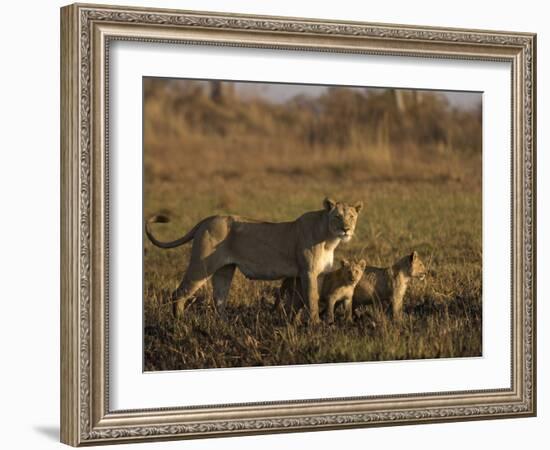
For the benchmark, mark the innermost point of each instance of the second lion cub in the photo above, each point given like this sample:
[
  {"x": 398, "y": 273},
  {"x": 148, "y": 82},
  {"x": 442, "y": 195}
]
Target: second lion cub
[
  {"x": 337, "y": 286},
  {"x": 388, "y": 285}
]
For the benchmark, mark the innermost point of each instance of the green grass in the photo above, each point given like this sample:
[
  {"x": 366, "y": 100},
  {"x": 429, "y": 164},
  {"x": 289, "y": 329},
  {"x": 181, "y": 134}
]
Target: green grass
[
  {"x": 417, "y": 171},
  {"x": 442, "y": 221}
]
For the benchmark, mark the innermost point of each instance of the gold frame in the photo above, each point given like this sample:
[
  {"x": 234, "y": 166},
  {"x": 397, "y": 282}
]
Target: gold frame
[{"x": 86, "y": 31}]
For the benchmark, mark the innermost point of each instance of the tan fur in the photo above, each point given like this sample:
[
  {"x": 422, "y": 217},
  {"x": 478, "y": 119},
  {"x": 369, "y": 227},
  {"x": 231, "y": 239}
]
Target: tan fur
[
  {"x": 262, "y": 251},
  {"x": 336, "y": 286},
  {"x": 388, "y": 285}
]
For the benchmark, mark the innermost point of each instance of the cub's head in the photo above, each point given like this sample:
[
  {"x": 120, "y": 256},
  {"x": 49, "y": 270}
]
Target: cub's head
[
  {"x": 415, "y": 266},
  {"x": 352, "y": 271},
  {"x": 342, "y": 218}
]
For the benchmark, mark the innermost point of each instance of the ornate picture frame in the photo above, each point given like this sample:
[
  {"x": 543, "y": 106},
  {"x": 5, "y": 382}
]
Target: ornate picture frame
[{"x": 87, "y": 32}]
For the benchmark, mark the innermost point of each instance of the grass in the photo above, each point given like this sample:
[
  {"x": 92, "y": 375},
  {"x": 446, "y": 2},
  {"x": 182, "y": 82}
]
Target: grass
[
  {"x": 442, "y": 313},
  {"x": 416, "y": 199}
]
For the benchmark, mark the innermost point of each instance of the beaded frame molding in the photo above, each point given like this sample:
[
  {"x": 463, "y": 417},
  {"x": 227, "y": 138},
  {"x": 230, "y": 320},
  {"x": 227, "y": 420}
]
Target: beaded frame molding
[{"x": 86, "y": 33}]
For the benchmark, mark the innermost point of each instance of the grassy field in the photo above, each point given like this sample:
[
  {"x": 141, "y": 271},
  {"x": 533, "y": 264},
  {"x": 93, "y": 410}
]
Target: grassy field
[{"x": 428, "y": 201}]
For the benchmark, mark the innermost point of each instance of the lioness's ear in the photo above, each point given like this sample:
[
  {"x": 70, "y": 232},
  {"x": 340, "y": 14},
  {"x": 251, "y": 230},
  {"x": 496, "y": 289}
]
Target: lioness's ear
[
  {"x": 329, "y": 204},
  {"x": 358, "y": 206},
  {"x": 344, "y": 262},
  {"x": 414, "y": 256},
  {"x": 362, "y": 264}
]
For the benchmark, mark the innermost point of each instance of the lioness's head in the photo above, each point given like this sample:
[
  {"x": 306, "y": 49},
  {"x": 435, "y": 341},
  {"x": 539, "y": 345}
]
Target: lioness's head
[
  {"x": 415, "y": 266},
  {"x": 342, "y": 218},
  {"x": 352, "y": 271}
]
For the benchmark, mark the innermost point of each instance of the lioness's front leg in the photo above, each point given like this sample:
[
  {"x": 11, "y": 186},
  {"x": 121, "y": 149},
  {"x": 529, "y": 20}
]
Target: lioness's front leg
[{"x": 311, "y": 292}]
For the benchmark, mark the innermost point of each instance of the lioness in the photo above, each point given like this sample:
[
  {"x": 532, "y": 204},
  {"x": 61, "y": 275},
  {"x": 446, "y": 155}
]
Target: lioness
[
  {"x": 262, "y": 251},
  {"x": 388, "y": 285},
  {"x": 337, "y": 286}
]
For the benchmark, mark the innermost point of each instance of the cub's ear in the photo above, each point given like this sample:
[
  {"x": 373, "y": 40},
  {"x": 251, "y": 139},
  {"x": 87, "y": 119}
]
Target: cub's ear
[
  {"x": 344, "y": 262},
  {"x": 329, "y": 204},
  {"x": 414, "y": 256},
  {"x": 362, "y": 264},
  {"x": 358, "y": 207}
]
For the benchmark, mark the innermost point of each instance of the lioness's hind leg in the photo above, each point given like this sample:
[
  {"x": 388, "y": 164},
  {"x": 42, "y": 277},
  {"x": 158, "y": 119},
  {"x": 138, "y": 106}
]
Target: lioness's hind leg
[
  {"x": 221, "y": 283},
  {"x": 184, "y": 292}
]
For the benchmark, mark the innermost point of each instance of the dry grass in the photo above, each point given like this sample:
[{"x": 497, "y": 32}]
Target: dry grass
[{"x": 420, "y": 195}]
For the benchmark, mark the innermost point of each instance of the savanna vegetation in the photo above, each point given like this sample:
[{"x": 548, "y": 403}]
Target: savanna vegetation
[{"x": 411, "y": 156}]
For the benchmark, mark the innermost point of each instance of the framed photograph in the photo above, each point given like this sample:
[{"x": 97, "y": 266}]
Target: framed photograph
[{"x": 276, "y": 225}]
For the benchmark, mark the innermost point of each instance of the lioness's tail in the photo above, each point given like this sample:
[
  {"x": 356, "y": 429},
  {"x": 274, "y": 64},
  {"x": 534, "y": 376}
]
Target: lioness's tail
[{"x": 164, "y": 219}]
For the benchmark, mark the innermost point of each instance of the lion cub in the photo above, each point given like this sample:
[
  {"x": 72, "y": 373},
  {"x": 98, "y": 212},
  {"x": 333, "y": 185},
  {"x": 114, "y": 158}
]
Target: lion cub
[
  {"x": 388, "y": 285},
  {"x": 336, "y": 286}
]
